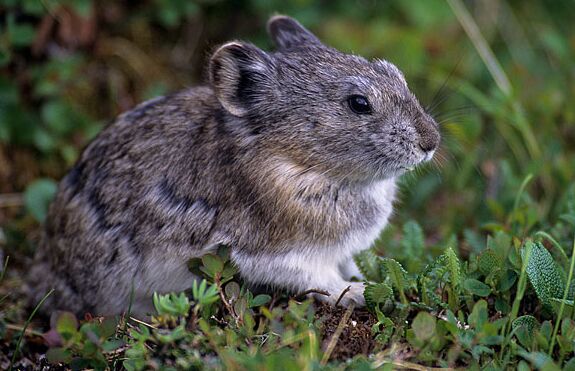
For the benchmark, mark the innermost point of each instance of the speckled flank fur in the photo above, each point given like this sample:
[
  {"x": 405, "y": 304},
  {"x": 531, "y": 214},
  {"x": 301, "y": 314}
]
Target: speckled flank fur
[{"x": 268, "y": 159}]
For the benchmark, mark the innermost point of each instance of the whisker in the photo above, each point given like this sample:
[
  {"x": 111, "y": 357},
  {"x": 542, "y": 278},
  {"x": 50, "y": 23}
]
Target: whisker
[{"x": 434, "y": 104}]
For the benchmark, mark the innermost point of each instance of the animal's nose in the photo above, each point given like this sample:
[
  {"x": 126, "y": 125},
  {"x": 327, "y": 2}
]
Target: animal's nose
[
  {"x": 428, "y": 135},
  {"x": 429, "y": 143}
]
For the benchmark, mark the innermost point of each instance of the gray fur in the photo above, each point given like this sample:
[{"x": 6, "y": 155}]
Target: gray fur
[{"x": 269, "y": 159}]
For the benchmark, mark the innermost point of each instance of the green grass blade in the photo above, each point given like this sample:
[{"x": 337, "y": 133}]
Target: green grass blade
[
  {"x": 553, "y": 241},
  {"x": 518, "y": 197},
  {"x": 481, "y": 45},
  {"x": 562, "y": 307},
  {"x": 4, "y": 269},
  {"x": 26, "y": 324}
]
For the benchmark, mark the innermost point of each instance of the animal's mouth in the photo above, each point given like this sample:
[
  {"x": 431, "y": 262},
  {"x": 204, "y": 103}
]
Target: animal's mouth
[{"x": 427, "y": 156}]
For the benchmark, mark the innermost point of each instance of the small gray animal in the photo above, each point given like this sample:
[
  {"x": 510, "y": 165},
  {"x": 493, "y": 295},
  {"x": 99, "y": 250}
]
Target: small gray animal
[{"x": 289, "y": 157}]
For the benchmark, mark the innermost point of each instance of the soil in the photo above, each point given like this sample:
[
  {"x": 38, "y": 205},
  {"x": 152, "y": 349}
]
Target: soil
[{"x": 356, "y": 337}]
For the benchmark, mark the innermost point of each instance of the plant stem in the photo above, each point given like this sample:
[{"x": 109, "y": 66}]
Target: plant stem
[
  {"x": 521, "y": 285},
  {"x": 26, "y": 326},
  {"x": 4, "y": 268},
  {"x": 510, "y": 219},
  {"x": 562, "y": 307}
]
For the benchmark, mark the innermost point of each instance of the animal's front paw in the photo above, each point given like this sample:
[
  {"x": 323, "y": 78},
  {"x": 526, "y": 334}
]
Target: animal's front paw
[{"x": 344, "y": 296}]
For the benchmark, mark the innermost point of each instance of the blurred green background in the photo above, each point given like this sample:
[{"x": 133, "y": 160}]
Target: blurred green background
[{"x": 67, "y": 68}]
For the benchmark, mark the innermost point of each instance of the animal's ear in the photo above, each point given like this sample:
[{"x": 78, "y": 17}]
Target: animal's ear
[
  {"x": 288, "y": 33},
  {"x": 241, "y": 75}
]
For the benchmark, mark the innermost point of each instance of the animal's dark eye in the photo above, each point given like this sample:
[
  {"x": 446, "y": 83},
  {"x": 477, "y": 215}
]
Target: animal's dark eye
[{"x": 359, "y": 104}]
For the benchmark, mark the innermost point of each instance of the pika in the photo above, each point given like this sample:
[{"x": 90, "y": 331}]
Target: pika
[{"x": 288, "y": 157}]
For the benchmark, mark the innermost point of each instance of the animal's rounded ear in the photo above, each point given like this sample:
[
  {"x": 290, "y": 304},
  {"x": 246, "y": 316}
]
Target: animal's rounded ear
[
  {"x": 240, "y": 74},
  {"x": 288, "y": 33}
]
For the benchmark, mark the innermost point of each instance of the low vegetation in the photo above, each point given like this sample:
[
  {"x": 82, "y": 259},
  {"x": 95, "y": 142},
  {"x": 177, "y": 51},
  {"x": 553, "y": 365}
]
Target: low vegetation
[{"x": 476, "y": 269}]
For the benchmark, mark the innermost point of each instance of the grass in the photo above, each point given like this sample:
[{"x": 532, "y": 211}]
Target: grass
[{"x": 472, "y": 272}]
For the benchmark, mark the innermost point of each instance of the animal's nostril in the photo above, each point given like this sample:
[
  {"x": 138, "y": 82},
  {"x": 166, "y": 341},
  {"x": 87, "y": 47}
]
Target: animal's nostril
[{"x": 426, "y": 145}]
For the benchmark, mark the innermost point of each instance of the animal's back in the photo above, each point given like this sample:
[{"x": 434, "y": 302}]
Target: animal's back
[{"x": 124, "y": 199}]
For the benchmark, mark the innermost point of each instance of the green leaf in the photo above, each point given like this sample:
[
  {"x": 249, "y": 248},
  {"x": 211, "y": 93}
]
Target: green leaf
[
  {"x": 413, "y": 239},
  {"x": 172, "y": 304},
  {"x": 569, "y": 365},
  {"x": 487, "y": 261},
  {"x": 527, "y": 321},
  {"x": 82, "y": 7},
  {"x": 369, "y": 265},
  {"x": 260, "y": 300},
  {"x": 507, "y": 281},
  {"x": 66, "y": 322},
  {"x": 232, "y": 291},
  {"x": 38, "y": 196},
  {"x": 213, "y": 264},
  {"x": 544, "y": 274},
  {"x": 479, "y": 314},
  {"x": 59, "y": 355},
  {"x": 453, "y": 267},
  {"x": 424, "y": 326},
  {"x": 540, "y": 360},
  {"x": 21, "y": 34},
  {"x": 108, "y": 327},
  {"x": 66, "y": 325},
  {"x": 500, "y": 245},
  {"x": 377, "y": 293},
  {"x": 111, "y": 345},
  {"x": 398, "y": 276},
  {"x": 567, "y": 306},
  {"x": 476, "y": 287}
]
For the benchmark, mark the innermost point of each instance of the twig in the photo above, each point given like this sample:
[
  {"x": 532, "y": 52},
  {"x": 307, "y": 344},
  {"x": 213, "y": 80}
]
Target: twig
[
  {"x": 312, "y": 291},
  {"x": 562, "y": 307},
  {"x": 227, "y": 304},
  {"x": 142, "y": 322},
  {"x": 342, "y": 295},
  {"x": 335, "y": 337},
  {"x": 398, "y": 364},
  {"x": 21, "y": 328},
  {"x": 11, "y": 200}
]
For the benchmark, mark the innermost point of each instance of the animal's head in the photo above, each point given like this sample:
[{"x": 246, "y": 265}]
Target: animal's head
[{"x": 341, "y": 114}]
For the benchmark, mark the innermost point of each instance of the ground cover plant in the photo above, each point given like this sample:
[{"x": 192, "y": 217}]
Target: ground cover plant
[{"x": 476, "y": 269}]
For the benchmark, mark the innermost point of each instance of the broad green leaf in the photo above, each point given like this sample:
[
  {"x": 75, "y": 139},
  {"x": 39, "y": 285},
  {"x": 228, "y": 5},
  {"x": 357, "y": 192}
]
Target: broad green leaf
[
  {"x": 213, "y": 264},
  {"x": 232, "y": 291},
  {"x": 413, "y": 240},
  {"x": 66, "y": 323},
  {"x": 260, "y": 300},
  {"x": 111, "y": 344},
  {"x": 540, "y": 360},
  {"x": 59, "y": 355},
  {"x": 476, "y": 287},
  {"x": 500, "y": 244},
  {"x": 474, "y": 240},
  {"x": 488, "y": 261},
  {"x": 479, "y": 314},
  {"x": 529, "y": 322},
  {"x": 507, "y": 281},
  {"x": 424, "y": 326},
  {"x": 544, "y": 274},
  {"x": 38, "y": 196}
]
